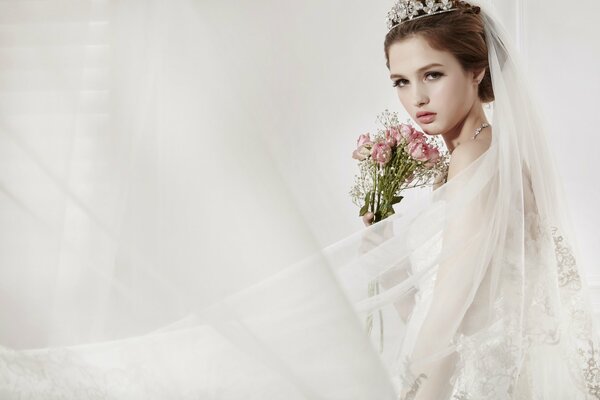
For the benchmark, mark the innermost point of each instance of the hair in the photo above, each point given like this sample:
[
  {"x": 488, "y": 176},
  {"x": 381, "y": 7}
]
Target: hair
[{"x": 460, "y": 32}]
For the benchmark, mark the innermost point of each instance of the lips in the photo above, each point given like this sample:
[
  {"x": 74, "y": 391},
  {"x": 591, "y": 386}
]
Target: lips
[{"x": 425, "y": 117}]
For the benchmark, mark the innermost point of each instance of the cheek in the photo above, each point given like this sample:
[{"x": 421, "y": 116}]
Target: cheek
[
  {"x": 450, "y": 97},
  {"x": 445, "y": 92},
  {"x": 402, "y": 96}
]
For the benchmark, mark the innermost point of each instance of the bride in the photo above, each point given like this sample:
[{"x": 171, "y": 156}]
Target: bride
[
  {"x": 143, "y": 260},
  {"x": 497, "y": 309}
]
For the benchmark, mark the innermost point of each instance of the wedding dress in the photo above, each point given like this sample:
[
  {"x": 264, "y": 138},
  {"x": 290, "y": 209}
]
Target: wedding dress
[
  {"x": 485, "y": 366},
  {"x": 143, "y": 256}
]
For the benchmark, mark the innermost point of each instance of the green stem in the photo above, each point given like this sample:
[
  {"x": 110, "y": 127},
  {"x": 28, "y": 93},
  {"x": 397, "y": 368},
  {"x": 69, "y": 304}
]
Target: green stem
[{"x": 374, "y": 190}]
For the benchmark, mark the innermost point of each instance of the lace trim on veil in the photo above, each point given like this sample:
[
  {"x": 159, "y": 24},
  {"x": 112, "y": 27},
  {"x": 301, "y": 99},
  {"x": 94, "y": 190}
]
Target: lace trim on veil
[{"x": 494, "y": 363}]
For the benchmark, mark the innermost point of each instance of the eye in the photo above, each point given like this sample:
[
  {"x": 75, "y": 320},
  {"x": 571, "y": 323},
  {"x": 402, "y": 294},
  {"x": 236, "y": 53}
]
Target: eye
[
  {"x": 434, "y": 74},
  {"x": 399, "y": 83},
  {"x": 437, "y": 74}
]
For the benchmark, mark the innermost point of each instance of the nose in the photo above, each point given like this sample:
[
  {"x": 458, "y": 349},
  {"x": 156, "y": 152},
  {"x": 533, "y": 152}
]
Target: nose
[{"x": 419, "y": 96}]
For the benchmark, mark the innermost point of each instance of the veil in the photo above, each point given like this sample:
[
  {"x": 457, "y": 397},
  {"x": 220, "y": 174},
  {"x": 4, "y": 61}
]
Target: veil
[{"x": 145, "y": 257}]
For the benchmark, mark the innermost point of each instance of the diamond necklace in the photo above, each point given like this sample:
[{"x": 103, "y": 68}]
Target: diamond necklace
[
  {"x": 485, "y": 125},
  {"x": 477, "y": 131}
]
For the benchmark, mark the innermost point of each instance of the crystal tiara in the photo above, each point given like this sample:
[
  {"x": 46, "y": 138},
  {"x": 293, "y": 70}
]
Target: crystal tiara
[{"x": 408, "y": 10}]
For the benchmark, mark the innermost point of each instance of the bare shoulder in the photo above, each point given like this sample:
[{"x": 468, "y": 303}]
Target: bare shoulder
[{"x": 465, "y": 154}]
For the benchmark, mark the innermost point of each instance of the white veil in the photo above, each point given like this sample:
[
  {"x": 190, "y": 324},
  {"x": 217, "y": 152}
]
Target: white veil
[{"x": 143, "y": 258}]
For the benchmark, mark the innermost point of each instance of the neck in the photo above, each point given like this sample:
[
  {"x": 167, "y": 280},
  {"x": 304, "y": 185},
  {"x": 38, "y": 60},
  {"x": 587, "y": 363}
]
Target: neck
[{"x": 465, "y": 129}]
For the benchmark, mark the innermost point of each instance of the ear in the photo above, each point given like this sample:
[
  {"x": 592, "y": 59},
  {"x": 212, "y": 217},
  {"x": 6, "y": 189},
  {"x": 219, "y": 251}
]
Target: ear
[{"x": 478, "y": 76}]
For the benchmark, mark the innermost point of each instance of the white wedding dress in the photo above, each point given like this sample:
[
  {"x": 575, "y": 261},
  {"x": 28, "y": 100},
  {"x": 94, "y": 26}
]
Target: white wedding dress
[{"x": 557, "y": 357}]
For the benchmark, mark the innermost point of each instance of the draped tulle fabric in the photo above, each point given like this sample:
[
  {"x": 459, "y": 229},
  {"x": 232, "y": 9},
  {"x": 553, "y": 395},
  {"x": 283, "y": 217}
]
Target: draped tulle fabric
[{"x": 138, "y": 261}]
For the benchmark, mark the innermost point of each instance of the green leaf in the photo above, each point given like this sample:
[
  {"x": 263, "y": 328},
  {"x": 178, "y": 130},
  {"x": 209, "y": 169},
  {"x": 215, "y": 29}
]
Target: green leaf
[
  {"x": 397, "y": 199},
  {"x": 363, "y": 210},
  {"x": 387, "y": 212}
]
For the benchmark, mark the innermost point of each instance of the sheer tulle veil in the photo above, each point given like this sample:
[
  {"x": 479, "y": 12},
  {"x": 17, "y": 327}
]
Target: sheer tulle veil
[{"x": 138, "y": 261}]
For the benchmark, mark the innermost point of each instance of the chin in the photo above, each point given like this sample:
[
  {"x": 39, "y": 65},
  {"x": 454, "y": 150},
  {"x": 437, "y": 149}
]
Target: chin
[{"x": 430, "y": 129}]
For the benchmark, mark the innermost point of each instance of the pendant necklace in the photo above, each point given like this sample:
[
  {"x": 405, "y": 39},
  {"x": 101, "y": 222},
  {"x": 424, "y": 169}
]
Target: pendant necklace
[{"x": 477, "y": 131}]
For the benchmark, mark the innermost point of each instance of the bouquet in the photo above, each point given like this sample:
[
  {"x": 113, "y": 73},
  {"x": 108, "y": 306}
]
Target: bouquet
[{"x": 397, "y": 158}]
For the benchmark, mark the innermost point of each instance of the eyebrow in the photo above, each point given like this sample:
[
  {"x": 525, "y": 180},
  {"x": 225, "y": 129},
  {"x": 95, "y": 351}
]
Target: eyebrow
[{"x": 419, "y": 70}]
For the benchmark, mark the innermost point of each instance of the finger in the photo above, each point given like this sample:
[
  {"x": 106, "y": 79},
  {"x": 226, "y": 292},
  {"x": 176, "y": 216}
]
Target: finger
[{"x": 368, "y": 218}]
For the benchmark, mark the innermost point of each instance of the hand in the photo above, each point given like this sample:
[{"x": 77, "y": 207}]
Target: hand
[{"x": 368, "y": 218}]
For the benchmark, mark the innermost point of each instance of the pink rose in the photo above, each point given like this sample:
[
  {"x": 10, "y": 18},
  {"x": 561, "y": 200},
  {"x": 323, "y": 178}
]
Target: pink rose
[
  {"x": 410, "y": 134},
  {"x": 362, "y": 153},
  {"x": 390, "y": 137},
  {"x": 406, "y": 131},
  {"x": 395, "y": 132},
  {"x": 413, "y": 140},
  {"x": 433, "y": 157},
  {"x": 382, "y": 153},
  {"x": 418, "y": 150},
  {"x": 365, "y": 138}
]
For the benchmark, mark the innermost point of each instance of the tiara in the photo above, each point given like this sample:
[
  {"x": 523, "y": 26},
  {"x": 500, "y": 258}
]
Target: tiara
[{"x": 408, "y": 10}]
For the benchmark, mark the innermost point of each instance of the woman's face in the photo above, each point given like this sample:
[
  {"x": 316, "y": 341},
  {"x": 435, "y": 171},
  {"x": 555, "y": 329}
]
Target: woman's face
[{"x": 445, "y": 89}]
